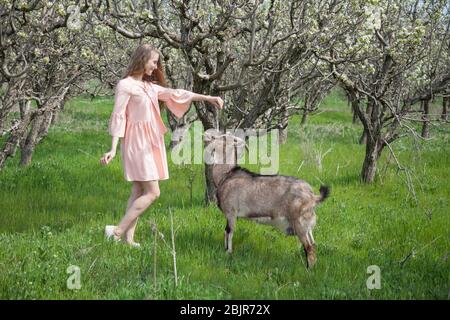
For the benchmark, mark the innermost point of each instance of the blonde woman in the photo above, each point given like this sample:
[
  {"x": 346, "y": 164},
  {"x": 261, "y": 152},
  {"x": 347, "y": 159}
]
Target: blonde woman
[{"x": 137, "y": 120}]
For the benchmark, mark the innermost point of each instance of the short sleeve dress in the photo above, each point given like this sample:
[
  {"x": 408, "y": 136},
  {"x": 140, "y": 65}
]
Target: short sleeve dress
[{"x": 136, "y": 118}]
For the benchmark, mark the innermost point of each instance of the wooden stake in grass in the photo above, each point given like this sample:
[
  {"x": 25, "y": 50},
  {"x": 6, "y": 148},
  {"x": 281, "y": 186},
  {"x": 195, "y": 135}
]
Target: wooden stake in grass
[
  {"x": 174, "y": 253},
  {"x": 155, "y": 237}
]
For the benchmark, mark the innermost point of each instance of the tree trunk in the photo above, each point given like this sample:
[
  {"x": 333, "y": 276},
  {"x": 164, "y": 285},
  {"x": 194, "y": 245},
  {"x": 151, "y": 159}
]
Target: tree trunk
[
  {"x": 354, "y": 112},
  {"x": 54, "y": 118},
  {"x": 426, "y": 119},
  {"x": 369, "y": 109},
  {"x": 373, "y": 152},
  {"x": 179, "y": 134},
  {"x": 363, "y": 138},
  {"x": 445, "y": 103},
  {"x": 28, "y": 145},
  {"x": 208, "y": 116},
  {"x": 210, "y": 193},
  {"x": 354, "y": 118},
  {"x": 283, "y": 132},
  {"x": 282, "y": 137},
  {"x": 24, "y": 107},
  {"x": 304, "y": 117},
  {"x": 38, "y": 131},
  {"x": 10, "y": 146},
  {"x": 9, "y": 149}
]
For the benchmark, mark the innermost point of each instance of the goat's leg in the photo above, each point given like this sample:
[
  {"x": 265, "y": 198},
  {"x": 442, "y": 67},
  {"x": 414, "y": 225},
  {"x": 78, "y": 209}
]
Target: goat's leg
[
  {"x": 226, "y": 238},
  {"x": 312, "y": 253},
  {"x": 231, "y": 222},
  {"x": 311, "y": 238},
  {"x": 305, "y": 237}
]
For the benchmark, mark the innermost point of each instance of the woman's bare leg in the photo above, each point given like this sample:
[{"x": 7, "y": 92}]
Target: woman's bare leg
[
  {"x": 136, "y": 192},
  {"x": 150, "y": 193}
]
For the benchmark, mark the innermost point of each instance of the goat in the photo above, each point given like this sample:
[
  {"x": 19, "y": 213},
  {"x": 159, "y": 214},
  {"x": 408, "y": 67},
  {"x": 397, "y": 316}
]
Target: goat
[{"x": 284, "y": 202}]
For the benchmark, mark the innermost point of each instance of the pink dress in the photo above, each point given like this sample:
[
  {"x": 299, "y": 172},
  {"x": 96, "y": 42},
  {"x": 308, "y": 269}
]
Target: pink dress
[{"x": 136, "y": 118}]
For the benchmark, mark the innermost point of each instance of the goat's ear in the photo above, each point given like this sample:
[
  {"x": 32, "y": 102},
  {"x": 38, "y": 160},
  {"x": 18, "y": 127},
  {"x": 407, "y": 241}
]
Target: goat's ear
[
  {"x": 207, "y": 137},
  {"x": 210, "y": 134}
]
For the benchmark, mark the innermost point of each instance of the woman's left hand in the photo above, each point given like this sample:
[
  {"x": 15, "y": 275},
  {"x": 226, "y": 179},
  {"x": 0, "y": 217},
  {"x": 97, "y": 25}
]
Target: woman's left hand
[{"x": 216, "y": 101}]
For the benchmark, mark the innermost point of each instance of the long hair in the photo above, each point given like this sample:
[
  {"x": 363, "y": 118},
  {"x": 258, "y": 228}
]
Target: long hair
[{"x": 137, "y": 66}]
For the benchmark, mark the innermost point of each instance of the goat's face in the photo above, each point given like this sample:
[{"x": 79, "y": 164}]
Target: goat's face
[{"x": 222, "y": 148}]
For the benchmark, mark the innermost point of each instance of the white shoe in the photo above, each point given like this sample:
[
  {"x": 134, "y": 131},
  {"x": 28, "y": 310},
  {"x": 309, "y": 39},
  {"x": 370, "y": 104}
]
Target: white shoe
[
  {"x": 135, "y": 245},
  {"x": 109, "y": 233}
]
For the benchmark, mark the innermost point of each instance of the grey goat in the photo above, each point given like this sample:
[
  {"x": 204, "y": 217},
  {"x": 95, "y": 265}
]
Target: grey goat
[{"x": 284, "y": 202}]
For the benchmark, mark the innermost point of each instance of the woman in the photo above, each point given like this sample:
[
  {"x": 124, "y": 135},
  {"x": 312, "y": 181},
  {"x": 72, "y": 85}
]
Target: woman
[{"x": 136, "y": 118}]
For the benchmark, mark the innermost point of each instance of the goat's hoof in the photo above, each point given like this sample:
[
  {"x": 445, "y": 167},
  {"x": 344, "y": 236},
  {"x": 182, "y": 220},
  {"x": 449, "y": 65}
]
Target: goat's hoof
[{"x": 310, "y": 264}]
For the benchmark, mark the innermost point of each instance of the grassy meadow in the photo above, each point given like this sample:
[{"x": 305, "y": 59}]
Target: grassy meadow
[{"x": 53, "y": 213}]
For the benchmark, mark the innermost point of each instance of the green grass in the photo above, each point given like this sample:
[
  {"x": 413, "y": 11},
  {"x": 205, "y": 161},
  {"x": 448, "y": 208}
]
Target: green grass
[{"x": 53, "y": 213}]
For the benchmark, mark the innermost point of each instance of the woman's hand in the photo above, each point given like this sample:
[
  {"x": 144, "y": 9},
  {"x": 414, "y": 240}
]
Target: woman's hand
[
  {"x": 107, "y": 157},
  {"x": 216, "y": 101}
]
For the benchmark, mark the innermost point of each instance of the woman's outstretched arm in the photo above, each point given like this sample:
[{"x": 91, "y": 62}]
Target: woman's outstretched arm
[
  {"x": 179, "y": 100},
  {"x": 215, "y": 101}
]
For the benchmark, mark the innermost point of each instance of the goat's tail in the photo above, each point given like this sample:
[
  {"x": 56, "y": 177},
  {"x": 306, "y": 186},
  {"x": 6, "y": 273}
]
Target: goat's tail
[{"x": 324, "y": 193}]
